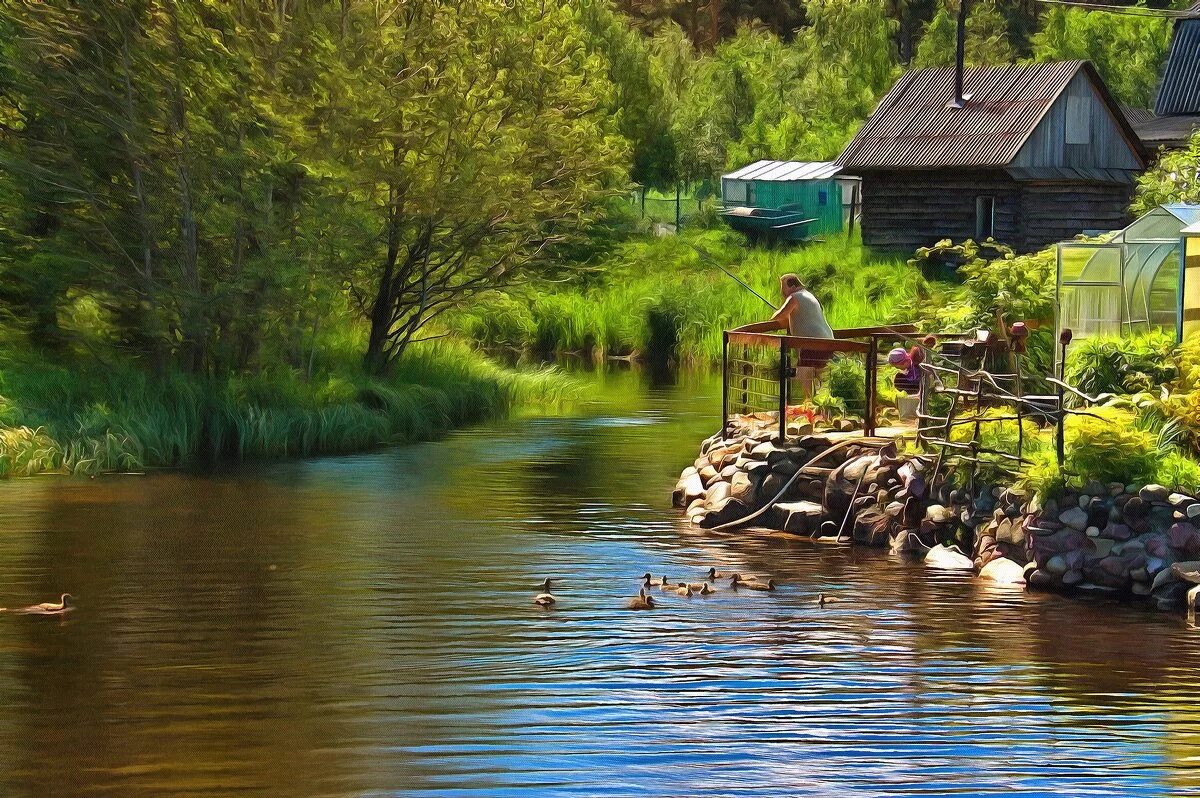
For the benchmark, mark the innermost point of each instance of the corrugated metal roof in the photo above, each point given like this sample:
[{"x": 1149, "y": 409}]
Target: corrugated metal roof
[
  {"x": 1179, "y": 91},
  {"x": 1184, "y": 211},
  {"x": 915, "y": 127},
  {"x": 780, "y": 171},
  {"x": 1169, "y": 130}
]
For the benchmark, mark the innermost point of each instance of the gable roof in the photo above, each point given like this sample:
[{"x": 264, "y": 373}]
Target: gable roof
[
  {"x": 914, "y": 126},
  {"x": 1179, "y": 91},
  {"x": 785, "y": 171}
]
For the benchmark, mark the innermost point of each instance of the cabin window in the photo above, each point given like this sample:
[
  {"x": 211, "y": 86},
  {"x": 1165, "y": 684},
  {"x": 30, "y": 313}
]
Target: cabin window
[
  {"x": 822, "y": 198},
  {"x": 1079, "y": 120},
  {"x": 985, "y": 217}
]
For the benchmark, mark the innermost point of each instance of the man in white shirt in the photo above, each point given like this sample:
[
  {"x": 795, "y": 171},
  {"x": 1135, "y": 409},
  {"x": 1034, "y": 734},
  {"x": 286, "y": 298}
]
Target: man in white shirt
[{"x": 800, "y": 314}]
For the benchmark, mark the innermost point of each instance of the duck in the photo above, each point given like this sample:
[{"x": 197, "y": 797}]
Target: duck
[
  {"x": 641, "y": 601},
  {"x": 736, "y": 581},
  {"x": 683, "y": 589},
  {"x": 706, "y": 589},
  {"x": 63, "y": 605},
  {"x": 822, "y": 599},
  {"x": 714, "y": 575},
  {"x": 699, "y": 587},
  {"x": 545, "y": 598}
]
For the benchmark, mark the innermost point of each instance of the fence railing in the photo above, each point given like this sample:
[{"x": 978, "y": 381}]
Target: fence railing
[{"x": 758, "y": 368}]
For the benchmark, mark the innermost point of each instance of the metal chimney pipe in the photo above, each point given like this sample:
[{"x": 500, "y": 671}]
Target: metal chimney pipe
[{"x": 960, "y": 55}]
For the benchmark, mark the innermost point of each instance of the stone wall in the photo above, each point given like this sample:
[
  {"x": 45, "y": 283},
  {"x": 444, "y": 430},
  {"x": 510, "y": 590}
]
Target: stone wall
[{"x": 1122, "y": 539}]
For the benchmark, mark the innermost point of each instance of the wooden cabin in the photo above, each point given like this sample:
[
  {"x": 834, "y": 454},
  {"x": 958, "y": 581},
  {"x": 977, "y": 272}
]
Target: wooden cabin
[
  {"x": 787, "y": 200},
  {"x": 1030, "y": 155}
]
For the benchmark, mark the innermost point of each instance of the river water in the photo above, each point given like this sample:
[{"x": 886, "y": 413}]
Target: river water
[{"x": 363, "y": 626}]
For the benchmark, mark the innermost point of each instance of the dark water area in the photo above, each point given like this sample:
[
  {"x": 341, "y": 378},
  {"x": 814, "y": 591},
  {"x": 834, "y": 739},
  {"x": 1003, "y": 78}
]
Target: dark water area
[{"x": 363, "y": 626}]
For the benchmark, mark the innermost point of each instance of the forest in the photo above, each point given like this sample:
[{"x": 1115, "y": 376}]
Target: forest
[{"x": 238, "y": 229}]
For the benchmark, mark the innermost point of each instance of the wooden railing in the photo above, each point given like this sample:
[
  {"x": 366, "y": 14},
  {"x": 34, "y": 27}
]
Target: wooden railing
[{"x": 737, "y": 377}]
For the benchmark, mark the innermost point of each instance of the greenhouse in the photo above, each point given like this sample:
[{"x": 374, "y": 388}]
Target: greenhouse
[{"x": 1144, "y": 278}]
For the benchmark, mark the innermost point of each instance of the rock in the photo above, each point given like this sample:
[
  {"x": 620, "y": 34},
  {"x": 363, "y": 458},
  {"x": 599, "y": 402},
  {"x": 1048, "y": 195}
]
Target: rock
[
  {"x": 1193, "y": 510},
  {"x": 1154, "y": 493},
  {"x": 717, "y": 493},
  {"x": 1098, "y": 512},
  {"x": 1192, "y": 597},
  {"x": 1164, "y": 577},
  {"x": 1187, "y": 571},
  {"x": 1171, "y": 595},
  {"x": 717, "y": 456},
  {"x": 689, "y": 488},
  {"x": 723, "y": 512},
  {"x": 801, "y": 518},
  {"x": 785, "y": 468},
  {"x": 1157, "y": 546},
  {"x": 1092, "y": 532},
  {"x": 1184, "y": 537},
  {"x": 1102, "y": 547},
  {"x": 872, "y": 528},
  {"x": 1135, "y": 509},
  {"x": 1072, "y": 577},
  {"x": 1083, "y": 501},
  {"x": 1060, "y": 542},
  {"x": 1140, "y": 589},
  {"x": 708, "y": 473},
  {"x": 1179, "y": 500},
  {"x": 762, "y": 450},
  {"x": 1039, "y": 579},
  {"x": 1010, "y": 532},
  {"x": 1116, "y": 532},
  {"x": 945, "y": 558},
  {"x": 1075, "y": 518},
  {"x": 1003, "y": 570},
  {"x": 1057, "y": 565},
  {"x": 728, "y": 471},
  {"x": 742, "y": 487},
  {"x": 938, "y": 514}
]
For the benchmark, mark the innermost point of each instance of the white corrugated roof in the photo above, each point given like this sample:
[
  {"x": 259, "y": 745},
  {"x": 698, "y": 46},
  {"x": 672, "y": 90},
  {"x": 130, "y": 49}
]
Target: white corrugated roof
[{"x": 786, "y": 170}]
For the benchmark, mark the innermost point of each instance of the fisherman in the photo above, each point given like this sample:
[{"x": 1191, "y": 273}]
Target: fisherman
[{"x": 800, "y": 316}]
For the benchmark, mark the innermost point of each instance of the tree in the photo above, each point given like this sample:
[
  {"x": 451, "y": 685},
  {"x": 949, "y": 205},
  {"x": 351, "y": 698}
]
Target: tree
[
  {"x": 987, "y": 38},
  {"x": 1127, "y": 50},
  {"x": 1175, "y": 178},
  {"x": 468, "y": 163}
]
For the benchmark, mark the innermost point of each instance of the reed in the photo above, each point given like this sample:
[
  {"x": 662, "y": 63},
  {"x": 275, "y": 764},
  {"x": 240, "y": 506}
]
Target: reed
[
  {"x": 660, "y": 296},
  {"x": 88, "y": 419}
]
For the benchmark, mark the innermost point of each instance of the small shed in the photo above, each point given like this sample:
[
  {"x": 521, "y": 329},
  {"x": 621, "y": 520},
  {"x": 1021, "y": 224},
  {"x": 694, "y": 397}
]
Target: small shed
[
  {"x": 1177, "y": 107},
  {"x": 787, "y": 200},
  {"x": 1145, "y": 278},
  {"x": 1030, "y": 154}
]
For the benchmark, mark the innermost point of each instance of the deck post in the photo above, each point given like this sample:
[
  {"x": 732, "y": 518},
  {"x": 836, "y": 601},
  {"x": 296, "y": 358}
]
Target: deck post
[
  {"x": 783, "y": 389},
  {"x": 872, "y": 366},
  {"x": 724, "y": 383}
]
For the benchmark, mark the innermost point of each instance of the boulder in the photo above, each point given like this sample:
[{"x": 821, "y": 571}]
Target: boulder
[
  {"x": 717, "y": 493},
  {"x": 689, "y": 488},
  {"x": 1154, "y": 493},
  {"x": 801, "y": 518},
  {"x": 708, "y": 473},
  {"x": 742, "y": 487},
  {"x": 1184, "y": 537},
  {"x": 1073, "y": 577},
  {"x": 1075, "y": 518},
  {"x": 1187, "y": 571},
  {"x": 1003, "y": 570},
  {"x": 1011, "y": 532},
  {"x": 1038, "y": 579},
  {"x": 945, "y": 558}
]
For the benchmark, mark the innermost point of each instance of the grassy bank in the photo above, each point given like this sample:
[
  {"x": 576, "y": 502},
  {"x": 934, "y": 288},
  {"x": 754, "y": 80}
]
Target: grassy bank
[
  {"x": 88, "y": 418},
  {"x": 661, "y": 296}
]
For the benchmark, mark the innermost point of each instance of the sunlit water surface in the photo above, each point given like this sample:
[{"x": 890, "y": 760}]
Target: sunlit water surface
[{"x": 364, "y": 626}]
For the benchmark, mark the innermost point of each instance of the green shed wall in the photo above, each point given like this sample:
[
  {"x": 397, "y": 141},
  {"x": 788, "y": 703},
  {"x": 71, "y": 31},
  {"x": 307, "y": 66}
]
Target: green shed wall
[{"x": 804, "y": 196}]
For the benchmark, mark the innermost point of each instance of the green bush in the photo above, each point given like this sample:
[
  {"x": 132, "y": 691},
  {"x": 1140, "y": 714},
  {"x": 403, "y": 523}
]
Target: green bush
[
  {"x": 845, "y": 379},
  {"x": 1122, "y": 365}
]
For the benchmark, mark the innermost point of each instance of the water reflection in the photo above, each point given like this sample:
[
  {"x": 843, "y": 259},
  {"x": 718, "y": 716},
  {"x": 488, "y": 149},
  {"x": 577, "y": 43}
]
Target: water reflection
[{"x": 363, "y": 626}]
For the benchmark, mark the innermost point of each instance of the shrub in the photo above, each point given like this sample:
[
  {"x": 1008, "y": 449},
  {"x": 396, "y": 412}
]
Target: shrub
[
  {"x": 845, "y": 379},
  {"x": 1122, "y": 365}
]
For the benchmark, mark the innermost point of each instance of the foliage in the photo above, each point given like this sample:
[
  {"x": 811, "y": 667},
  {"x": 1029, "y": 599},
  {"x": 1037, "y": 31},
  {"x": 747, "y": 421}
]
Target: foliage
[
  {"x": 1175, "y": 177},
  {"x": 666, "y": 297},
  {"x": 1128, "y": 50},
  {"x": 988, "y": 40},
  {"x": 845, "y": 379},
  {"x": 1124, "y": 365}
]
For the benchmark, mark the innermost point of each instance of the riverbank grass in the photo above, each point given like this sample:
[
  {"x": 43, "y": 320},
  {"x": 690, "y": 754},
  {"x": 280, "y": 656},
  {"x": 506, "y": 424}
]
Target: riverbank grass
[{"x": 91, "y": 418}]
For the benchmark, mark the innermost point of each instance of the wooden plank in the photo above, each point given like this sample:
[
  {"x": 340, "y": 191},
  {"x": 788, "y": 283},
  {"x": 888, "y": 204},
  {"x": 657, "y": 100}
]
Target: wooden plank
[{"x": 813, "y": 345}]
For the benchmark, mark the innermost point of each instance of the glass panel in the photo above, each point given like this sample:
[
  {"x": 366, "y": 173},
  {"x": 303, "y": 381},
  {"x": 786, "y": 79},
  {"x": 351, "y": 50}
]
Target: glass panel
[
  {"x": 1157, "y": 224},
  {"x": 1164, "y": 291},
  {"x": 1191, "y": 288},
  {"x": 1092, "y": 263},
  {"x": 1090, "y": 310}
]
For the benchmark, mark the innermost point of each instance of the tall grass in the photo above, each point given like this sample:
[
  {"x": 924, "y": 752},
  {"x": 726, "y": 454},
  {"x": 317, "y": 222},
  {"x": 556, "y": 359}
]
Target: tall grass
[
  {"x": 91, "y": 419},
  {"x": 660, "y": 294}
]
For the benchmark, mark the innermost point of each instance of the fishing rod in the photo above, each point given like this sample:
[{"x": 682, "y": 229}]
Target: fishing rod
[{"x": 711, "y": 261}]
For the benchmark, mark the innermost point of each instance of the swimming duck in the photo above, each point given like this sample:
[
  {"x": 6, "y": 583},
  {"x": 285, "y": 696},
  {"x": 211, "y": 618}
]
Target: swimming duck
[
  {"x": 714, "y": 574},
  {"x": 736, "y": 581},
  {"x": 699, "y": 587},
  {"x": 683, "y": 589},
  {"x": 822, "y": 599},
  {"x": 49, "y": 607},
  {"x": 641, "y": 601},
  {"x": 706, "y": 589},
  {"x": 545, "y": 598}
]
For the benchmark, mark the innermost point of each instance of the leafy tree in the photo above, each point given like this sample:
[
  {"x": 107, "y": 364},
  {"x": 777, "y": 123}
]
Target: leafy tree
[
  {"x": 1128, "y": 50},
  {"x": 987, "y": 38},
  {"x": 1174, "y": 178}
]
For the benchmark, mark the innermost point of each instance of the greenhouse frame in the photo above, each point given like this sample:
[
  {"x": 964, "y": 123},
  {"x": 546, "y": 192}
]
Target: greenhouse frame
[{"x": 1144, "y": 278}]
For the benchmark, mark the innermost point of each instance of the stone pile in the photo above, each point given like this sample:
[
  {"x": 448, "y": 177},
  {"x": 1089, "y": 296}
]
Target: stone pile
[{"x": 1124, "y": 539}]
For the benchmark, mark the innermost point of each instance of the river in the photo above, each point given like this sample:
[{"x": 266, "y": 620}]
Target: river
[{"x": 363, "y": 626}]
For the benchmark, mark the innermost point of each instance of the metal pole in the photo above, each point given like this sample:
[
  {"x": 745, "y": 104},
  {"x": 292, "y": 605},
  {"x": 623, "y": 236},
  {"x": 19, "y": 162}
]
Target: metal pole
[
  {"x": 783, "y": 380},
  {"x": 725, "y": 383},
  {"x": 872, "y": 367},
  {"x": 960, "y": 54},
  {"x": 1060, "y": 447},
  {"x": 676, "y": 207}
]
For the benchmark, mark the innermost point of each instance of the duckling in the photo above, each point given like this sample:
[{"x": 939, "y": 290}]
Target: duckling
[
  {"x": 736, "y": 581},
  {"x": 666, "y": 585},
  {"x": 822, "y": 599},
  {"x": 706, "y": 589},
  {"x": 698, "y": 587},
  {"x": 63, "y": 605},
  {"x": 545, "y": 598},
  {"x": 641, "y": 601},
  {"x": 684, "y": 590},
  {"x": 714, "y": 575}
]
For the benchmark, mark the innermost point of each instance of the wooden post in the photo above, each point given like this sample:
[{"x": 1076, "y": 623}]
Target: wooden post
[
  {"x": 724, "y": 383},
  {"x": 783, "y": 386},
  {"x": 1060, "y": 434},
  {"x": 643, "y": 202},
  {"x": 677, "y": 214},
  {"x": 853, "y": 206},
  {"x": 872, "y": 367}
]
